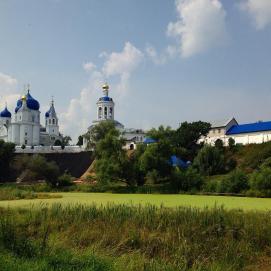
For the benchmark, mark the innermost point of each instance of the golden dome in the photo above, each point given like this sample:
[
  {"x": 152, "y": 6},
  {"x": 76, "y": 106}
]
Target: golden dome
[
  {"x": 105, "y": 86},
  {"x": 24, "y": 98}
]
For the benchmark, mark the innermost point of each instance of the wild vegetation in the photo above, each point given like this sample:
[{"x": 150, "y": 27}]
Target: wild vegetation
[{"x": 132, "y": 238}]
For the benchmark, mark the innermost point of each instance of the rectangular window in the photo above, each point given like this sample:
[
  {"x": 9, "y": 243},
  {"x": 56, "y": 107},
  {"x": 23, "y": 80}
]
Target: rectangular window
[{"x": 25, "y": 133}]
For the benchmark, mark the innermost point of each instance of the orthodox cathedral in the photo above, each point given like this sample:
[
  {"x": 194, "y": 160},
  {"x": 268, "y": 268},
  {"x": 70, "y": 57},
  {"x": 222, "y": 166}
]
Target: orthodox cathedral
[{"x": 24, "y": 128}]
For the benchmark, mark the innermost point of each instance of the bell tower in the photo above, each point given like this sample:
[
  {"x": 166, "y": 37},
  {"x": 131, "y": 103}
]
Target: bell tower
[{"x": 105, "y": 105}]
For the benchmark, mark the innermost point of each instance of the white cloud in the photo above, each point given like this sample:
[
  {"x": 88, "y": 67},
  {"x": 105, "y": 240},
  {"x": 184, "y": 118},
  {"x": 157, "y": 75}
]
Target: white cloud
[
  {"x": 259, "y": 10},
  {"x": 89, "y": 66},
  {"x": 8, "y": 91},
  {"x": 118, "y": 63},
  {"x": 82, "y": 110},
  {"x": 200, "y": 26},
  {"x": 158, "y": 59}
]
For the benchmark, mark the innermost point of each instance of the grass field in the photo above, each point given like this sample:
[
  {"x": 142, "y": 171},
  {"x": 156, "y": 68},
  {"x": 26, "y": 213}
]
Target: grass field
[{"x": 153, "y": 199}]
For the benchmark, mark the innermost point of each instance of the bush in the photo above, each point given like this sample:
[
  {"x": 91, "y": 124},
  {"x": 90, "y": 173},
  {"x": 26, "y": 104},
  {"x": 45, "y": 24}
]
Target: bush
[
  {"x": 209, "y": 161},
  {"x": 260, "y": 181},
  {"x": 186, "y": 180},
  {"x": 235, "y": 182},
  {"x": 65, "y": 180}
]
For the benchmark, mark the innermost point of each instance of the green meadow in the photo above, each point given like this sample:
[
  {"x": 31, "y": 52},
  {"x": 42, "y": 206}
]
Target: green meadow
[{"x": 199, "y": 201}]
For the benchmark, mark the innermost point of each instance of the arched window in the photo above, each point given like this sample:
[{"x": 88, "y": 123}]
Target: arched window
[
  {"x": 53, "y": 121},
  {"x": 100, "y": 112},
  {"x": 105, "y": 112},
  {"x": 49, "y": 121},
  {"x": 46, "y": 122},
  {"x": 111, "y": 112}
]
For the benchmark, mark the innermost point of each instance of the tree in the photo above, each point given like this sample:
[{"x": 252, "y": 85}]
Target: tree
[
  {"x": 209, "y": 161},
  {"x": 7, "y": 151},
  {"x": 231, "y": 143},
  {"x": 188, "y": 135},
  {"x": 80, "y": 141},
  {"x": 112, "y": 163},
  {"x": 36, "y": 167},
  {"x": 57, "y": 143},
  {"x": 219, "y": 144},
  {"x": 156, "y": 157},
  {"x": 98, "y": 132},
  {"x": 66, "y": 140}
]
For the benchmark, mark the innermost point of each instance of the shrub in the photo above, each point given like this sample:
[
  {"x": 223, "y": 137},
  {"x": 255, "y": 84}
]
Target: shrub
[
  {"x": 209, "y": 161},
  {"x": 235, "y": 182},
  {"x": 260, "y": 181},
  {"x": 64, "y": 180},
  {"x": 186, "y": 180}
]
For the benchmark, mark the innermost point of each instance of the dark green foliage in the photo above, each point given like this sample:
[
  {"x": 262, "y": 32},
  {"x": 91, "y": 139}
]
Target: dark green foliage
[
  {"x": 6, "y": 157},
  {"x": 231, "y": 143},
  {"x": 80, "y": 141},
  {"x": 112, "y": 162},
  {"x": 98, "y": 132},
  {"x": 260, "y": 181},
  {"x": 209, "y": 161},
  {"x": 156, "y": 157},
  {"x": 235, "y": 182},
  {"x": 64, "y": 180},
  {"x": 58, "y": 143},
  {"x": 219, "y": 144},
  {"x": 186, "y": 180},
  {"x": 188, "y": 134},
  {"x": 252, "y": 156},
  {"x": 36, "y": 167}
]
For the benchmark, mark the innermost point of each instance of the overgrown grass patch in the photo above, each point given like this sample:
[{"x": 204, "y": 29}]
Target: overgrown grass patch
[{"x": 123, "y": 237}]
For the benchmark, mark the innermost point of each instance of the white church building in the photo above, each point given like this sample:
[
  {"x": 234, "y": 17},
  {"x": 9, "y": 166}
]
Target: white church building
[{"x": 24, "y": 128}]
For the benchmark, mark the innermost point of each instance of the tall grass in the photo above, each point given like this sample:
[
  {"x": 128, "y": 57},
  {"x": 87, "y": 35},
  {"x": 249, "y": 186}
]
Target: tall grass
[{"x": 121, "y": 237}]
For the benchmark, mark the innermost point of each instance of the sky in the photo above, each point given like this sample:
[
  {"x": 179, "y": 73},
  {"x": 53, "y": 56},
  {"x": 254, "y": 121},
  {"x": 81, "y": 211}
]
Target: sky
[{"x": 165, "y": 61}]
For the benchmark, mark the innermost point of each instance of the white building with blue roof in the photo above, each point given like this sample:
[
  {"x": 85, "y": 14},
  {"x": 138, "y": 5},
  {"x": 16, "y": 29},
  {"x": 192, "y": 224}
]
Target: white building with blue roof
[
  {"x": 24, "y": 128},
  {"x": 249, "y": 133}
]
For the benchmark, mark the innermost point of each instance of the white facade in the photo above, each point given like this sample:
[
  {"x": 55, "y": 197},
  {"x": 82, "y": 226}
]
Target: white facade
[
  {"x": 24, "y": 128},
  {"x": 252, "y": 133}
]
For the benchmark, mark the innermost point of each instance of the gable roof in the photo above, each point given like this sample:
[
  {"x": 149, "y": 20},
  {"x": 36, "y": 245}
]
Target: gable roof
[
  {"x": 250, "y": 128},
  {"x": 221, "y": 123}
]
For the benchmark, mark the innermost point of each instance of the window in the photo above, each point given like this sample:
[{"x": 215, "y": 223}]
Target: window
[
  {"x": 219, "y": 130},
  {"x": 53, "y": 130},
  {"x": 100, "y": 113},
  {"x": 25, "y": 133},
  {"x": 105, "y": 112},
  {"x": 46, "y": 122},
  {"x": 49, "y": 121},
  {"x": 25, "y": 142},
  {"x": 33, "y": 118},
  {"x": 111, "y": 112},
  {"x": 53, "y": 121}
]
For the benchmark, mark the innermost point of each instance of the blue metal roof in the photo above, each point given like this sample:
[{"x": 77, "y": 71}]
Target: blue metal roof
[
  {"x": 177, "y": 162},
  {"x": 249, "y": 128},
  {"x": 149, "y": 140}
]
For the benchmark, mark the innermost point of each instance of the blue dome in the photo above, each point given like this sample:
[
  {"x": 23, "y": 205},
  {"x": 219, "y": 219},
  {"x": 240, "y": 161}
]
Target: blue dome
[
  {"x": 30, "y": 102},
  {"x": 5, "y": 113},
  {"x": 106, "y": 99},
  {"x": 47, "y": 114}
]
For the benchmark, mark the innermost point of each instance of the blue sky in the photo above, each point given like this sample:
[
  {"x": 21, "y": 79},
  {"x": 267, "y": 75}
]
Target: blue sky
[{"x": 166, "y": 61}]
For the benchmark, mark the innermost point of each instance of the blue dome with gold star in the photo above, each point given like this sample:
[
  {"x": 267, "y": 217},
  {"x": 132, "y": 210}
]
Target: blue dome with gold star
[{"x": 31, "y": 103}]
